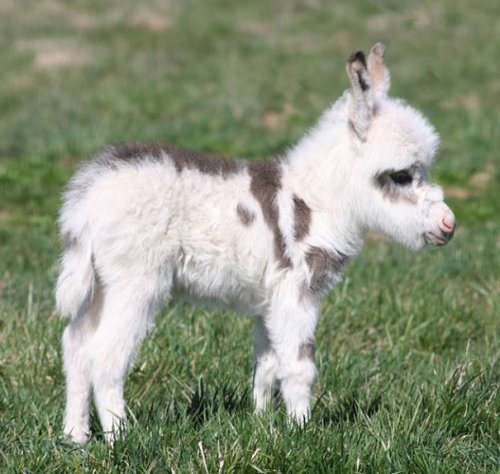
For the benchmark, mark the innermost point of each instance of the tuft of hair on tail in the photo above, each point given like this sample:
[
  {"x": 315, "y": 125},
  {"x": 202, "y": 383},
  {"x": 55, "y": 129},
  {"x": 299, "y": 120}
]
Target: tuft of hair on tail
[{"x": 77, "y": 280}]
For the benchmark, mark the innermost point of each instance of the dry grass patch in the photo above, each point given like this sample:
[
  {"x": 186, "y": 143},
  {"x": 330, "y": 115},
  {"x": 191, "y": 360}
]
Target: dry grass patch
[
  {"x": 150, "y": 20},
  {"x": 56, "y": 53}
]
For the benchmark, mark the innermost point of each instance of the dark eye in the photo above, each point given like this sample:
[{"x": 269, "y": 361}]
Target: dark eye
[{"x": 401, "y": 177}]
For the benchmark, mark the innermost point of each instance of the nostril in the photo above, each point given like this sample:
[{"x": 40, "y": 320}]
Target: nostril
[{"x": 448, "y": 224}]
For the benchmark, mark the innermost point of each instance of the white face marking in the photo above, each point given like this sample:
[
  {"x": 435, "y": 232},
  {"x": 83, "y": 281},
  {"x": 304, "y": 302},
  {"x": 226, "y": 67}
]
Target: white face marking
[
  {"x": 406, "y": 212},
  {"x": 401, "y": 202}
]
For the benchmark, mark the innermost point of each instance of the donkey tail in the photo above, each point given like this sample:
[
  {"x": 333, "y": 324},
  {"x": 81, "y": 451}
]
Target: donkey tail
[{"x": 77, "y": 279}]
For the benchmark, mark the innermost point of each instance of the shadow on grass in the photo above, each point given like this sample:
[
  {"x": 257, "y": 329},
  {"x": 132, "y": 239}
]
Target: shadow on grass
[
  {"x": 346, "y": 410},
  {"x": 204, "y": 403}
]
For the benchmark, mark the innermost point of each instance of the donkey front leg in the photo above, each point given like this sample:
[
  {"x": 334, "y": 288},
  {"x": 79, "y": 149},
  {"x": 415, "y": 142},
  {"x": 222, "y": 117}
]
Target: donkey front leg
[
  {"x": 291, "y": 331},
  {"x": 266, "y": 364}
]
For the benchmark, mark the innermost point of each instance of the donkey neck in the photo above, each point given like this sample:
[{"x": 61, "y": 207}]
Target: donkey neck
[{"x": 319, "y": 170}]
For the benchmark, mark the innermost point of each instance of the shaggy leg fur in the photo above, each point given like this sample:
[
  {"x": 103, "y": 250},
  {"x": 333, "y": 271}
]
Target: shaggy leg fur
[
  {"x": 126, "y": 319},
  {"x": 266, "y": 364},
  {"x": 77, "y": 369},
  {"x": 297, "y": 378},
  {"x": 291, "y": 331}
]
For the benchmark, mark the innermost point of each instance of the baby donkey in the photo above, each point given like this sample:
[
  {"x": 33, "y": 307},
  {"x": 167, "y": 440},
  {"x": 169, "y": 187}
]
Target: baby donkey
[{"x": 143, "y": 224}]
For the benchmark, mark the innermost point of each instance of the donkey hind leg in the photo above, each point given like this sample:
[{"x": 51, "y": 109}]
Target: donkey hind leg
[
  {"x": 77, "y": 369},
  {"x": 126, "y": 318},
  {"x": 266, "y": 364}
]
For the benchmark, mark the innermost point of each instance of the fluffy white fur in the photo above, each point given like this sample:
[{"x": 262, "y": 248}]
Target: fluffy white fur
[{"x": 140, "y": 232}]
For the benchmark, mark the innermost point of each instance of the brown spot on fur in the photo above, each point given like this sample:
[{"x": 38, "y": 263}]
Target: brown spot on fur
[
  {"x": 357, "y": 56},
  {"x": 182, "y": 158},
  {"x": 364, "y": 85},
  {"x": 69, "y": 241},
  {"x": 246, "y": 215},
  {"x": 136, "y": 151},
  {"x": 395, "y": 193},
  {"x": 265, "y": 182},
  {"x": 302, "y": 217},
  {"x": 307, "y": 351},
  {"x": 356, "y": 132},
  {"x": 325, "y": 266}
]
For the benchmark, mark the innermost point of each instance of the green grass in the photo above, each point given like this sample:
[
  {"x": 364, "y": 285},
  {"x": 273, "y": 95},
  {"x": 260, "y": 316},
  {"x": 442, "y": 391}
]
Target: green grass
[{"x": 408, "y": 344}]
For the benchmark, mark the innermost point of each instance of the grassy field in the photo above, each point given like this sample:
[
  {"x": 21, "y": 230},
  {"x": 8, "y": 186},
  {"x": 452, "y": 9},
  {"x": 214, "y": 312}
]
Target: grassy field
[{"x": 408, "y": 344}]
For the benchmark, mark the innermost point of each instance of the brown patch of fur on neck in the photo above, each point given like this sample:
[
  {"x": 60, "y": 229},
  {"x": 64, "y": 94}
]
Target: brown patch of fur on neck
[
  {"x": 324, "y": 266},
  {"x": 265, "y": 183},
  {"x": 302, "y": 217}
]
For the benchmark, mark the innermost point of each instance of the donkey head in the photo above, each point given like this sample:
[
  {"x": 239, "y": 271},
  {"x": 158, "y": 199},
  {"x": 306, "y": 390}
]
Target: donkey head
[{"x": 393, "y": 147}]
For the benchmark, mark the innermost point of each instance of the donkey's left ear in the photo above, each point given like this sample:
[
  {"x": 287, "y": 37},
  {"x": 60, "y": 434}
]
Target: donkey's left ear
[
  {"x": 370, "y": 82},
  {"x": 379, "y": 74},
  {"x": 360, "y": 108}
]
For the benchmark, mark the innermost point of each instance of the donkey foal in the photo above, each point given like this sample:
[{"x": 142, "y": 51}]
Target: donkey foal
[{"x": 142, "y": 224}]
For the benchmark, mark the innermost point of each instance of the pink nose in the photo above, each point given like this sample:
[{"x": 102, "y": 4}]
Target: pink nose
[{"x": 448, "y": 224}]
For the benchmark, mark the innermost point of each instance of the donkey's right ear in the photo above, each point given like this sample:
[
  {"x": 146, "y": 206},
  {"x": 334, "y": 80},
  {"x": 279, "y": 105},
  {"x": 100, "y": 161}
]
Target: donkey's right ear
[
  {"x": 381, "y": 79},
  {"x": 361, "y": 98}
]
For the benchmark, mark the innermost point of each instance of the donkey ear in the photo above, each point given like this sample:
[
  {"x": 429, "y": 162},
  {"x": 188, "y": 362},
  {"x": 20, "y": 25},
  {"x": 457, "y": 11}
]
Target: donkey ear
[
  {"x": 379, "y": 74},
  {"x": 361, "y": 99}
]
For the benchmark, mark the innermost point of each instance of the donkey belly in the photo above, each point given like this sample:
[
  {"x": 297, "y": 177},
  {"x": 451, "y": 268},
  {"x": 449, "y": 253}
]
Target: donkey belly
[{"x": 218, "y": 284}]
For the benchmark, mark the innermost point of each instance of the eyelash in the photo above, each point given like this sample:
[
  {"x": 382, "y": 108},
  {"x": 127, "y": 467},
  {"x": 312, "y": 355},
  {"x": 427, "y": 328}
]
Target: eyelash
[{"x": 401, "y": 178}]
